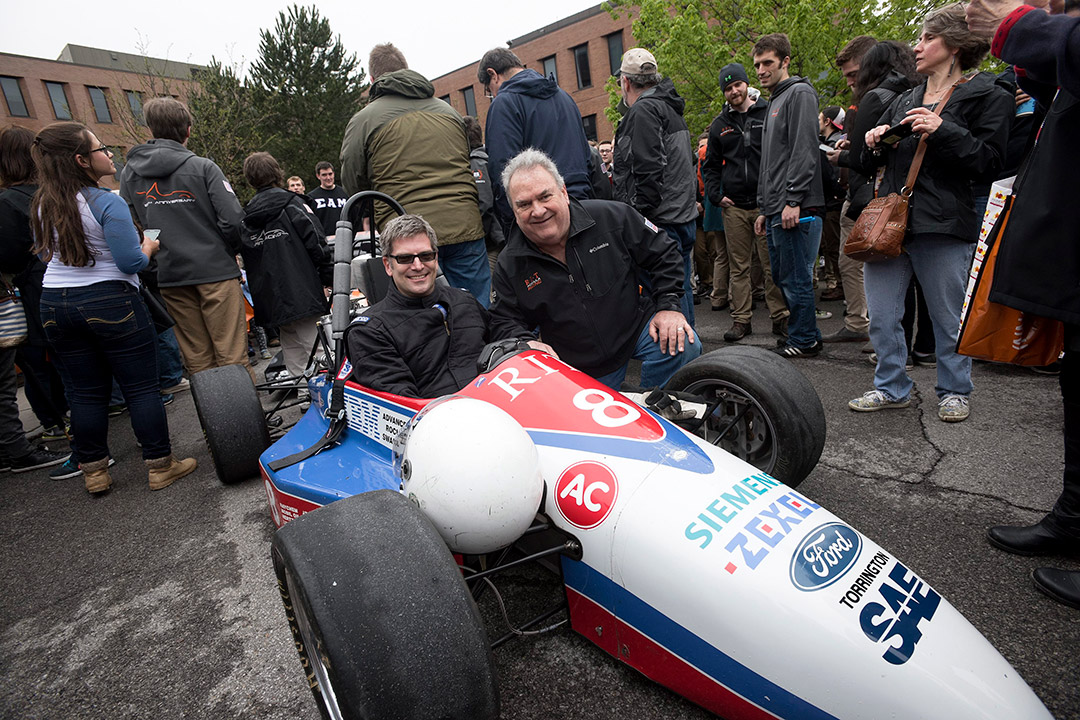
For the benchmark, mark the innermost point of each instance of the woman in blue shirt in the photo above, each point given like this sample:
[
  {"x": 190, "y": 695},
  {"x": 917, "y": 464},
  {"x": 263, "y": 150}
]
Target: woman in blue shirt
[{"x": 90, "y": 305}]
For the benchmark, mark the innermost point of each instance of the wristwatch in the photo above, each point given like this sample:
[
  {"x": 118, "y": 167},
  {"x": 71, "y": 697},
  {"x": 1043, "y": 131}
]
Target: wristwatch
[{"x": 792, "y": 204}]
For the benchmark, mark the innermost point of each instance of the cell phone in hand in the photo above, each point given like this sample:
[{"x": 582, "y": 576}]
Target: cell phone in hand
[
  {"x": 151, "y": 233},
  {"x": 896, "y": 133}
]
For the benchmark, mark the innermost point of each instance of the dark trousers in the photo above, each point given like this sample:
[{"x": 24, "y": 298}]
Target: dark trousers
[
  {"x": 43, "y": 386},
  {"x": 13, "y": 442},
  {"x": 98, "y": 332},
  {"x": 1065, "y": 517}
]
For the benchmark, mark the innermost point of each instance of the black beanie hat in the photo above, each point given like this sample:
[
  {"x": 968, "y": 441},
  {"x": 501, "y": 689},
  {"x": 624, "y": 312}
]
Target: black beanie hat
[{"x": 731, "y": 74}]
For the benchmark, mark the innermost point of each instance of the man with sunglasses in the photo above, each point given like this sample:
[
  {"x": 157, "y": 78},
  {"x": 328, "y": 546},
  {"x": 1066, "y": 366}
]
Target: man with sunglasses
[{"x": 423, "y": 338}]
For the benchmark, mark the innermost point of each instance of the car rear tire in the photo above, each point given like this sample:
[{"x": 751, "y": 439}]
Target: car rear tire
[
  {"x": 232, "y": 420},
  {"x": 382, "y": 619},
  {"x": 781, "y": 432}
]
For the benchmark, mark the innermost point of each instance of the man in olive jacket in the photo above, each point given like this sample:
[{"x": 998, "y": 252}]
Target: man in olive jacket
[{"x": 413, "y": 147}]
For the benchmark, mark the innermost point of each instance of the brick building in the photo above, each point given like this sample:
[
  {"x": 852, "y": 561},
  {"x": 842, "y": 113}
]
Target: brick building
[
  {"x": 582, "y": 51},
  {"x": 102, "y": 89}
]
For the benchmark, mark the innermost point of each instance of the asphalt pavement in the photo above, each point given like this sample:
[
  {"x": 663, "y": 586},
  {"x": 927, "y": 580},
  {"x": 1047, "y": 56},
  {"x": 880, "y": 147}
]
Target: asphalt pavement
[{"x": 143, "y": 604}]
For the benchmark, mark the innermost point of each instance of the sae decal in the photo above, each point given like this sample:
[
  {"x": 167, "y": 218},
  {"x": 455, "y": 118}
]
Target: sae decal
[{"x": 824, "y": 556}]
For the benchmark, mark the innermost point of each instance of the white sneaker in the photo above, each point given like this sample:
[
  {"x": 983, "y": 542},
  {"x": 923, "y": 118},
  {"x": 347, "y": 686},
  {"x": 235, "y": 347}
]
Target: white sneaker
[{"x": 953, "y": 408}]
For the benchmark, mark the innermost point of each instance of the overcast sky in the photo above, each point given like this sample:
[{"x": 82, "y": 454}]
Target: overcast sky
[{"x": 436, "y": 37}]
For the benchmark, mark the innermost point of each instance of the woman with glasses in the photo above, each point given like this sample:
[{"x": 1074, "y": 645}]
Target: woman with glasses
[
  {"x": 91, "y": 309},
  {"x": 287, "y": 260}
]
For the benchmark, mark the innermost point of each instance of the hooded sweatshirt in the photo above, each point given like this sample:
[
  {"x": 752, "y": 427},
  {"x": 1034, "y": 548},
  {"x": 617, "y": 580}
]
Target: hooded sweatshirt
[
  {"x": 655, "y": 163},
  {"x": 187, "y": 197},
  {"x": 286, "y": 258},
  {"x": 533, "y": 111},
  {"x": 413, "y": 147},
  {"x": 789, "y": 150}
]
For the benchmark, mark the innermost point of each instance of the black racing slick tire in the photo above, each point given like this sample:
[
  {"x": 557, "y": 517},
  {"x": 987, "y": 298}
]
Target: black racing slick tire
[
  {"x": 232, "y": 420},
  {"x": 771, "y": 413},
  {"x": 383, "y": 621}
]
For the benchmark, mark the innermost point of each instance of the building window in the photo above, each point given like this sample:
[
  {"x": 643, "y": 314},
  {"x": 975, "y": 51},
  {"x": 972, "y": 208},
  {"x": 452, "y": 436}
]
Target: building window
[
  {"x": 549, "y": 68},
  {"x": 60, "y": 107},
  {"x": 101, "y": 105},
  {"x": 588, "y": 123},
  {"x": 615, "y": 51},
  {"x": 134, "y": 99},
  {"x": 470, "y": 101},
  {"x": 445, "y": 99},
  {"x": 14, "y": 97},
  {"x": 581, "y": 62}
]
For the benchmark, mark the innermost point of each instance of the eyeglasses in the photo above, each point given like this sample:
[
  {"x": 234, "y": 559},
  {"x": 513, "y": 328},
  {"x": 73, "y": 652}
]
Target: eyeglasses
[
  {"x": 101, "y": 149},
  {"x": 408, "y": 258}
]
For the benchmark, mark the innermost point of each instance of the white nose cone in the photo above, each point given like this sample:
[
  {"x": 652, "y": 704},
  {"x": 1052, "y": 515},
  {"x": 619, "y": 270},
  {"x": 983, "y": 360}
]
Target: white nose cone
[{"x": 473, "y": 470}]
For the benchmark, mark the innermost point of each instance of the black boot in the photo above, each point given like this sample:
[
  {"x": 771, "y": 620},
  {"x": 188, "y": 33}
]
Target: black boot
[
  {"x": 1031, "y": 540},
  {"x": 1061, "y": 585}
]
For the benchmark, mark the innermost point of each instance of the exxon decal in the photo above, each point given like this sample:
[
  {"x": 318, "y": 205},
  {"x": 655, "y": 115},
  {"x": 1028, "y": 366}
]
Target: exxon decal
[{"x": 824, "y": 556}]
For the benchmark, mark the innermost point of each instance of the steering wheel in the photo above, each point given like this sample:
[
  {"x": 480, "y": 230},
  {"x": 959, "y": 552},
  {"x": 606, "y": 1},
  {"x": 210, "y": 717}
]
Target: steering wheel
[{"x": 495, "y": 352}]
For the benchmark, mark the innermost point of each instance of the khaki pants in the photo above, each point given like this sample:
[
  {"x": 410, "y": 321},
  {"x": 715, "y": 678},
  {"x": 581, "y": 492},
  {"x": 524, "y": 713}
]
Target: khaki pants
[
  {"x": 210, "y": 325},
  {"x": 703, "y": 258},
  {"x": 851, "y": 277},
  {"x": 721, "y": 270},
  {"x": 297, "y": 338},
  {"x": 741, "y": 240}
]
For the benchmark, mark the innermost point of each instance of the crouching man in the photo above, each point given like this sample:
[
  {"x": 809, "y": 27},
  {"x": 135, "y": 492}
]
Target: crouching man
[{"x": 422, "y": 339}]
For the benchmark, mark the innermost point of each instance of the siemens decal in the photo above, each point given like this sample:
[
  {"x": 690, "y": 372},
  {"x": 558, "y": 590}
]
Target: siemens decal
[{"x": 824, "y": 556}]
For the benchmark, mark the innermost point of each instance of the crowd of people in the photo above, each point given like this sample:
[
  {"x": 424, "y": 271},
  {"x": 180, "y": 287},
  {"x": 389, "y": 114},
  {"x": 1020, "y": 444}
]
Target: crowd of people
[{"x": 593, "y": 252}]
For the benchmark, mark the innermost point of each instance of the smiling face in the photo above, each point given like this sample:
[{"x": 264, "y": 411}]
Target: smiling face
[
  {"x": 605, "y": 151},
  {"x": 97, "y": 160},
  {"x": 416, "y": 279},
  {"x": 932, "y": 54},
  {"x": 541, "y": 208},
  {"x": 736, "y": 93},
  {"x": 326, "y": 178},
  {"x": 771, "y": 70}
]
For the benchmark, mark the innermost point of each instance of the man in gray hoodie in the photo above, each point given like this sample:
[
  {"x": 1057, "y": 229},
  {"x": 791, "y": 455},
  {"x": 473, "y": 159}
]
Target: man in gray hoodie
[
  {"x": 188, "y": 199},
  {"x": 790, "y": 195}
]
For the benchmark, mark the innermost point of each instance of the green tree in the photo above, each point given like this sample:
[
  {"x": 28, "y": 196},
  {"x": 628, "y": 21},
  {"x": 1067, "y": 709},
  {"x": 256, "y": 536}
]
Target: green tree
[
  {"x": 692, "y": 40},
  {"x": 307, "y": 87},
  {"x": 228, "y": 125}
]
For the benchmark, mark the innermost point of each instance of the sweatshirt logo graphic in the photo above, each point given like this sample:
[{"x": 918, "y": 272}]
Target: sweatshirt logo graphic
[
  {"x": 533, "y": 281},
  {"x": 154, "y": 196}
]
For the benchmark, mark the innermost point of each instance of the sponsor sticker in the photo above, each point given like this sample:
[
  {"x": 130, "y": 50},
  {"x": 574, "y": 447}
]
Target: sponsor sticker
[
  {"x": 585, "y": 493},
  {"x": 905, "y": 601},
  {"x": 824, "y": 556},
  {"x": 346, "y": 370}
]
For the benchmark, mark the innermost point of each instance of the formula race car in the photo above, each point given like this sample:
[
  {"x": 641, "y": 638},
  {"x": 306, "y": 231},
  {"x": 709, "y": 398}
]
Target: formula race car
[{"x": 685, "y": 550}]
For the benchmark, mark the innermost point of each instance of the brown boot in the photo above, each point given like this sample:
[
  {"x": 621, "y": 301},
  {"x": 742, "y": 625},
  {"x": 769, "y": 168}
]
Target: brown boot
[
  {"x": 164, "y": 470},
  {"x": 97, "y": 475}
]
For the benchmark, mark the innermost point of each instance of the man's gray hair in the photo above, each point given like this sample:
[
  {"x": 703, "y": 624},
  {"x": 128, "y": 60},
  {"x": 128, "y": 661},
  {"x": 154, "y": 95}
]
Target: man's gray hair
[
  {"x": 405, "y": 226},
  {"x": 644, "y": 80},
  {"x": 528, "y": 159}
]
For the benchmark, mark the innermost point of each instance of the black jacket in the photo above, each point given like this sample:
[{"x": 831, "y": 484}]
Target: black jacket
[
  {"x": 16, "y": 240},
  {"x": 733, "y": 159},
  {"x": 418, "y": 347},
  {"x": 1038, "y": 265},
  {"x": 589, "y": 309},
  {"x": 969, "y": 146},
  {"x": 871, "y": 107},
  {"x": 286, "y": 257},
  {"x": 655, "y": 163},
  {"x": 478, "y": 163}
]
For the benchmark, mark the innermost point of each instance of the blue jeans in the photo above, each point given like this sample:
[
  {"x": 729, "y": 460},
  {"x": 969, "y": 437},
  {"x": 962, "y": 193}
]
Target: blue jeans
[
  {"x": 170, "y": 364},
  {"x": 656, "y": 366},
  {"x": 941, "y": 263},
  {"x": 792, "y": 254},
  {"x": 465, "y": 265},
  {"x": 684, "y": 235},
  {"x": 98, "y": 332}
]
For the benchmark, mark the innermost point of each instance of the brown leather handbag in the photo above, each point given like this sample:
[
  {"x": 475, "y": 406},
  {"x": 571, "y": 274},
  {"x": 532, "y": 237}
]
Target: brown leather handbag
[{"x": 879, "y": 232}]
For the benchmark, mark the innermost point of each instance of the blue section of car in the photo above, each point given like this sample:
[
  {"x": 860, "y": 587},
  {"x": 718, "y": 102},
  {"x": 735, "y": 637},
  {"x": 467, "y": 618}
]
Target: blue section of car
[
  {"x": 686, "y": 645},
  {"x": 674, "y": 449}
]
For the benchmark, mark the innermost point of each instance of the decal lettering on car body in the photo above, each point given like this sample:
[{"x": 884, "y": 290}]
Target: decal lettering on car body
[
  {"x": 863, "y": 583},
  {"x": 824, "y": 556},
  {"x": 585, "y": 493},
  {"x": 910, "y": 601},
  {"x": 767, "y": 529}
]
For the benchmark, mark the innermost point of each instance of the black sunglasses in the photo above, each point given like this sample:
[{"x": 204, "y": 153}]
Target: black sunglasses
[{"x": 407, "y": 258}]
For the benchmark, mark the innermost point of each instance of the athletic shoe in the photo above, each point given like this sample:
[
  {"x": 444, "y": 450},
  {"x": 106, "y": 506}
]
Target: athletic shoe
[
  {"x": 56, "y": 432},
  {"x": 167, "y": 399},
  {"x": 952, "y": 408},
  {"x": 117, "y": 410},
  {"x": 70, "y": 469},
  {"x": 265, "y": 354},
  {"x": 779, "y": 327},
  {"x": 927, "y": 359},
  {"x": 845, "y": 335},
  {"x": 38, "y": 458},
  {"x": 792, "y": 352},
  {"x": 181, "y": 386},
  {"x": 822, "y": 314},
  {"x": 876, "y": 400},
  {"x": 836, "y": 293}
]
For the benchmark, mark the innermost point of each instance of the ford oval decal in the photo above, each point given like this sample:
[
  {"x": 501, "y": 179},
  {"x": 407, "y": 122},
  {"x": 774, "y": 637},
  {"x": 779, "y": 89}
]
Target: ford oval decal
[{"x": 824, "y": 555}]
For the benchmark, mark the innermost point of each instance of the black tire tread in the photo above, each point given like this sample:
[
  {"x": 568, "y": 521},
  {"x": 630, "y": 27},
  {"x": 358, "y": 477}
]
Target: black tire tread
[{"x": 232, "y": 420}]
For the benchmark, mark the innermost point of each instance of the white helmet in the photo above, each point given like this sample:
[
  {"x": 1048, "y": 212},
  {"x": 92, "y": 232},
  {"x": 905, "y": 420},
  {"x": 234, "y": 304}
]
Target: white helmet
[{"x": 473, "y": 471}]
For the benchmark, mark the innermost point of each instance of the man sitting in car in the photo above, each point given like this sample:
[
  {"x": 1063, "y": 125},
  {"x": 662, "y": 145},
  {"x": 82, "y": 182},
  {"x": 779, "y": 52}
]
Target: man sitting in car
[{"x": 423, "y": 339}]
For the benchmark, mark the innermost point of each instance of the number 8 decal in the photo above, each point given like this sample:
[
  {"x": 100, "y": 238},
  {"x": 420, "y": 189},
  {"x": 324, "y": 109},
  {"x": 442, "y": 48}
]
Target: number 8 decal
[{"x": 584, "y": 401}]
